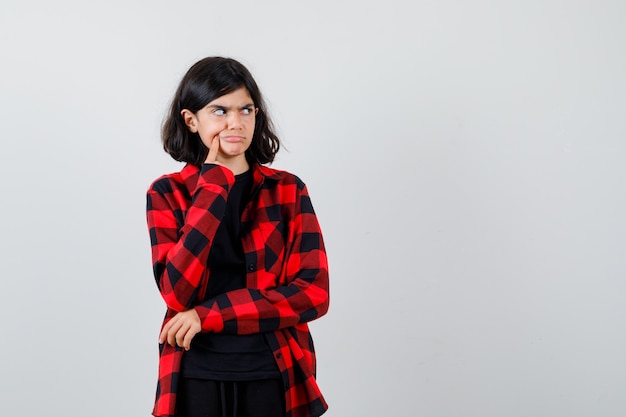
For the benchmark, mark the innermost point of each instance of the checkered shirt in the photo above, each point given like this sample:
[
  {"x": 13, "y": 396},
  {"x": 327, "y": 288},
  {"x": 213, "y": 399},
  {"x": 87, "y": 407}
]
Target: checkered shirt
[{"x": 286, "y": 272}]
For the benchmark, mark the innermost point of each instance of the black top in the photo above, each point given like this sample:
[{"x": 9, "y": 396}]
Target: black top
[{"x": 229, "y": 357}]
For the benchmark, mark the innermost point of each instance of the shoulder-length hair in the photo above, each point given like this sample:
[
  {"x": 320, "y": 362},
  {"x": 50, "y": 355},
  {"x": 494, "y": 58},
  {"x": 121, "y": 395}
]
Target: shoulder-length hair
[{"x": 205, "y": 81}]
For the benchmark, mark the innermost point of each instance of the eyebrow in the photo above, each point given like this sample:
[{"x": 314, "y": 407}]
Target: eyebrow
[{"x": 217, "y": 106}]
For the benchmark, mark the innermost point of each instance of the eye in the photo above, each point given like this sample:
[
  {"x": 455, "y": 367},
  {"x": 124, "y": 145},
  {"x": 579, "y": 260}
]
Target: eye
[
  {"x": 247, "y": 111},
  {"x": 219, "y": 112}
]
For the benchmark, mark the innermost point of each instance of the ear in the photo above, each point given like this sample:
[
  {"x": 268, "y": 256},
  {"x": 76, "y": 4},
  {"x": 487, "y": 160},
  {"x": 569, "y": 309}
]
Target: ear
[{"x": 190, "y": 120}]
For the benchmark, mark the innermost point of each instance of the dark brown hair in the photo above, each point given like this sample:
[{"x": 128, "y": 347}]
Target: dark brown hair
[{"x": 205, "y": 81}]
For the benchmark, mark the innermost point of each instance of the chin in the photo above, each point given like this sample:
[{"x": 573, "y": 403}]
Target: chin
[{"x": 233, "y": 150}]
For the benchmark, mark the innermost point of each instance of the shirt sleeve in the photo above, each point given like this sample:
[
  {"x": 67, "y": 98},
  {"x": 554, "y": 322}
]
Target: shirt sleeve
[
  {"x": 180, "y": 251},
  {"x": 303, "y": 297}
]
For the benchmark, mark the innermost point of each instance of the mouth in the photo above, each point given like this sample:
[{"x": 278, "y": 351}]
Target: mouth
[{"x": 233, "y": 139}]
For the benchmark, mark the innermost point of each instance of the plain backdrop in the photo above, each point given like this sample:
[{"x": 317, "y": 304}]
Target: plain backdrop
[{"x": 466, "y": 160}]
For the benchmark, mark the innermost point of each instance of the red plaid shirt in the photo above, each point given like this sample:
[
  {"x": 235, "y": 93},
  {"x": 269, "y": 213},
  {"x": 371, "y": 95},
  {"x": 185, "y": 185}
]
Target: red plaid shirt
[{"x": 287, "y": 272}]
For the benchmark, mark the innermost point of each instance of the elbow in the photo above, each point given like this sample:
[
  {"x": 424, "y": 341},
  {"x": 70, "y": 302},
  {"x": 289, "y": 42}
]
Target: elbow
[
  {"x": 322, "y": 295},
  {"x": 321, "y": 300},
  {"x": 324, "y": 306}
]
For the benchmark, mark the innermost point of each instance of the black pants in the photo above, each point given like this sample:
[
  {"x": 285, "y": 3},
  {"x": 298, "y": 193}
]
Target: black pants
[{"x": 201, "y": 398}]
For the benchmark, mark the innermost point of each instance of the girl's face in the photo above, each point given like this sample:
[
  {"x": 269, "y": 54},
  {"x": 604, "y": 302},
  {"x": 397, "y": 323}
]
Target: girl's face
[{"x": 230, "y": 118}]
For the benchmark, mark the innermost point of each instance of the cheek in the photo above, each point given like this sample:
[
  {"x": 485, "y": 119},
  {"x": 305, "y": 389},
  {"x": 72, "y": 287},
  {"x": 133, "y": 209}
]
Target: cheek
[
  {"x": 251, "y": 128},
  {"x": 207, "y": 138},
  {"x": 207, "y": 132}
]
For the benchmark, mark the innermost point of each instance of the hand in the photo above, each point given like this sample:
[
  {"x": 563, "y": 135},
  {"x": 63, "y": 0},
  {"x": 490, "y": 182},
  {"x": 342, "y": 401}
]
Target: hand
[
  {"x": 211, "y": 158},
  {"x": 181, "y": 329}
]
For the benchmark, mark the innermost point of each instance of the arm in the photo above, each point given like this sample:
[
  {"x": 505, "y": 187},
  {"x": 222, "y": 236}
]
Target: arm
[
  {"x": 180, "y": 252},
  {"x": 303, "y": 297}
]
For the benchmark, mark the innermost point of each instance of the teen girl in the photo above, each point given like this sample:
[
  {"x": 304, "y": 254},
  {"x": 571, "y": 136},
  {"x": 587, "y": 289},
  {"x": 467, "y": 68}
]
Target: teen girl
[{"x": 238, "y": 257}]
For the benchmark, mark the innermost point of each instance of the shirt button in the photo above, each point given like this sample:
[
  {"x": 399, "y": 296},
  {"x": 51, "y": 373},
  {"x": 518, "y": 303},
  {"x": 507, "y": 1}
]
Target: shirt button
[
  {"x": 279, "y": 355},
  {"x": 251, "y": 267}
]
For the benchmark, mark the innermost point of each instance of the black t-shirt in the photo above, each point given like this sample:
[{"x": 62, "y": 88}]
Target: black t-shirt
[{"x": 229, "y": 357}]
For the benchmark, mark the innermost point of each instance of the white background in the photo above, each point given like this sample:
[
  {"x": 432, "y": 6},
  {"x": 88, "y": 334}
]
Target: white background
[{"x": 466, "y": 160}]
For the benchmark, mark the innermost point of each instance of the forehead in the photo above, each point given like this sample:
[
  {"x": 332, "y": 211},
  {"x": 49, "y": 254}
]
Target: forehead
[{"x": 236, "y": 98}]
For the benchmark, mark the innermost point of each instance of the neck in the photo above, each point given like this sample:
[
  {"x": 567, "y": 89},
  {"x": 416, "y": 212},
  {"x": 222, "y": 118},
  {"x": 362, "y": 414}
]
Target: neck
[{"x": 237, "y": 166}]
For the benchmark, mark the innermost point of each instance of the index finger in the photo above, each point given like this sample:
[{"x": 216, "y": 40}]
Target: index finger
[
  {"x": 164, "y": 330},
  {"x": 215, "y": 146}
]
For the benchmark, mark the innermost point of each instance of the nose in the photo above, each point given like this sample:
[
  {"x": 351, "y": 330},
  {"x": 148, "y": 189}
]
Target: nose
[{"x": 234, "y": 120}]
